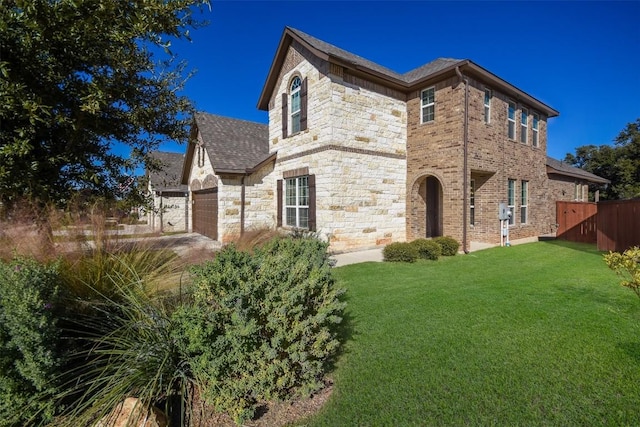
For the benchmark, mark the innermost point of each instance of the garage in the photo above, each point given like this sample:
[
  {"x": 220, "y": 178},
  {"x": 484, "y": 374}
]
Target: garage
[{"x": 205, "y": 212}]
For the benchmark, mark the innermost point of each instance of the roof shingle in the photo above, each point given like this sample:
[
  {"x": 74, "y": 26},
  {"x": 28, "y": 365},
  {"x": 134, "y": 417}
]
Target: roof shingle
[
  {"x": 233, "y": 145},
  {"x": 562, "y": 168},
  {"x": 167, "y": 178}
]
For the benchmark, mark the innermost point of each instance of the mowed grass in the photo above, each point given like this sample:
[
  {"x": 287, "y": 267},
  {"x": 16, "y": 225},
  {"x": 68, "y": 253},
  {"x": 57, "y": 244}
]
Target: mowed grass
[{"x": 537, "y": 334}]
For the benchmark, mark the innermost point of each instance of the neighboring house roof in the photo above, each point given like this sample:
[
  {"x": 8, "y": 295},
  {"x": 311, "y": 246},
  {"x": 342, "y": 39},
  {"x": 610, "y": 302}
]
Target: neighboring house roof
[
  {"x": 407, "y": 82},
  {"x": 167, "y": 178},
  {"x": 561, "y": 168},
  {"x": 234, "y": 146}
]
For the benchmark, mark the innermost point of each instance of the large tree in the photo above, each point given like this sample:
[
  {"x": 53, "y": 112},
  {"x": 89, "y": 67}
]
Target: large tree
[
  {"x": 619, "y": 163},
  {"x": 79, "y": 77}
]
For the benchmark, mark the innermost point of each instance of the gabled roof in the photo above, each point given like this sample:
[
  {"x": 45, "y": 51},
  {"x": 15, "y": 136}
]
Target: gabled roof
[
  {"x": 561, "y": 168},
  {"x": 168, "y": 177},
  {"x": 412, "y": 80},
  {"x": 234, "y": 146}
]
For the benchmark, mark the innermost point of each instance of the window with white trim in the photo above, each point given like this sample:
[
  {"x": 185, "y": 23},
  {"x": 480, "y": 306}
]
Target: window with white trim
[
  {"x": 428, "y": 103},
  {"x": 511, "y": 120},
  {"x": 511, "y": 200},
  {"x": 472, "y": 203},
  {"x": 294, "y": 92},
  {"x": 487, "y": 106},
  {"x": 297, "y": 202},
  {"x": 524, "y": 202},
  {"x": 534, "y": 128},
  {"x": 524, "y": 124}
]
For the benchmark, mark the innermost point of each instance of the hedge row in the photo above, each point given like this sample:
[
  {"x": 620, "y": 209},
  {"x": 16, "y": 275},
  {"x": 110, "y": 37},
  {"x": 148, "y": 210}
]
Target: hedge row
[{"x": 421, "y": 249}]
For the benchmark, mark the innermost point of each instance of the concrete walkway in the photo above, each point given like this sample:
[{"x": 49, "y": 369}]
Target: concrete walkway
[{"x": 183, "y": 243}]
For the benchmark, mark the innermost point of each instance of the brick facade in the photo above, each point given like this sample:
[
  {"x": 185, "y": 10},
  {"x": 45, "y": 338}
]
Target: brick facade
[{"x": 436, "y": 149}]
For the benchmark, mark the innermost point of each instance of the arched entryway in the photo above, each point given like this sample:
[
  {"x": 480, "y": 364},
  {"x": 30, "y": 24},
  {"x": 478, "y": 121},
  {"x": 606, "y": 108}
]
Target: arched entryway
[{"x": 426, "y": 209}]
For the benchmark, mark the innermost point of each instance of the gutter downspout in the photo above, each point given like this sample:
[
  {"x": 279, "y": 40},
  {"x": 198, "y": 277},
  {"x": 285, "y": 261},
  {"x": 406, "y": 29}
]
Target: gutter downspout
[{"x": 465, "y": 178}]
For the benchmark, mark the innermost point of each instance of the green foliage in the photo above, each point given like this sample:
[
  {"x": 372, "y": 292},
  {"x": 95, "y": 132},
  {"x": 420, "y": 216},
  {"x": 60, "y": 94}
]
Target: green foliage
[
  {"x": 427, "y": 249},
  {"x": 626, "y": 265},
  {"x": 400, "y": 252},
  {"x": 619, "y": 163},
  {"x": 263, "y": 325},
  {"x": 449, "y": 245},
  {"x": 127, "y": 347},
  {"x": 30, "y": 346},
  {"x": 79, "y": 75}
]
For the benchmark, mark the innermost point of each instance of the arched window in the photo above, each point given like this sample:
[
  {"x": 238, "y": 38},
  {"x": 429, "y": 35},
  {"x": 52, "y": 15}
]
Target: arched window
[
  {"x": 294, "y": 93},
  {"x": 294, "y": 107}
]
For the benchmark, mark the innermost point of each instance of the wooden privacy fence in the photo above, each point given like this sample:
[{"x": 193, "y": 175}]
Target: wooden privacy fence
[
  {"x": 613, "y": 225},
  {"x": 618, "y": 225},
  {"x": 577, "y": 221}
]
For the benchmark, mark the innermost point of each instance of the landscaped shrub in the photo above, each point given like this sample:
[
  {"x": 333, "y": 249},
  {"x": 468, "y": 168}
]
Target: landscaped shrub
[
  {"x": 126, "y": 347},
  {"x": 626, "y": 265},
  {"x": 427, "y": 249},
  {"x": 30, "y": 346},
  {"x": 400, "y": 252},
  {"x": 263, "y": 325},
  {"x": 449, "y": 245}
]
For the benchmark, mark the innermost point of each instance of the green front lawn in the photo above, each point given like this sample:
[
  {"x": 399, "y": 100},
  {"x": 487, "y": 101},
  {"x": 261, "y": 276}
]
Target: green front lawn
[{"x": 537, "y": 334}]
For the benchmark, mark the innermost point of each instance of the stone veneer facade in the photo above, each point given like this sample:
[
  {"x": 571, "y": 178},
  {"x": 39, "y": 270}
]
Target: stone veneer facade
[
  {"x": 258, "y": 201},
  {"x": 170, "y": 212},
  {"x": 354, "y": 144}
]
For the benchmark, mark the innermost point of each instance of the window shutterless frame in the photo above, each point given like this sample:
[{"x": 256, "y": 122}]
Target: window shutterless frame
[
  {"x": 524, "y": 202},
  {"x": 524, "y": 125},
  {"x": 428, "y": 105},
  {"x": 511, "y": 120},
  {"x": 534, "y": 128},
  {"x": 511, "y": 200},
  {"x": 487, "y": 106}
]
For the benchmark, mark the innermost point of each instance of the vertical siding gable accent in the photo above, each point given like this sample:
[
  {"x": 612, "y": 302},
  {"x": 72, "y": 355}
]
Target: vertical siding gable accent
[
  {"x": 285, "y": 118},
  {"x": 279, "y": 203},
  {"x": 303, "y": 105},
  {"x": 312, "y": 203}
]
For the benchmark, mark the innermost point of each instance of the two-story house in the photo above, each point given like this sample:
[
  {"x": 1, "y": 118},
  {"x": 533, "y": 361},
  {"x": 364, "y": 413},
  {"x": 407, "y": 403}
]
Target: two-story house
[{"x": 366, "y": 156}]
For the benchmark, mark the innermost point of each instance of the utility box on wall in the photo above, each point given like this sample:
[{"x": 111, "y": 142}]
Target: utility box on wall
[{"x": 503, "y": 212}]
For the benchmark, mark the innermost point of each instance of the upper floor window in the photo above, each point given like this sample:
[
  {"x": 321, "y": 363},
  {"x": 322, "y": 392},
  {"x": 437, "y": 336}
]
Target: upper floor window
[
  {"x": 428, "y": 105},
  {"x": 294, "y": 93},
  {"x": 511, "y": 200},
  {"x": 524, "y": 124},
  {"x": 511, "y": 117},
  {"x": 294, "y": 107},
  {"x": 534, "y": 127},
  {"x": 487, "y": 105},
  {"x": 524, "y": 202}
]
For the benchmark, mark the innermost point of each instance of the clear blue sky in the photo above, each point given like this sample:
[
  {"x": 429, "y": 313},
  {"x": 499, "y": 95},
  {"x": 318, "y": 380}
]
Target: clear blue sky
[{"x": 581, "y": 58}]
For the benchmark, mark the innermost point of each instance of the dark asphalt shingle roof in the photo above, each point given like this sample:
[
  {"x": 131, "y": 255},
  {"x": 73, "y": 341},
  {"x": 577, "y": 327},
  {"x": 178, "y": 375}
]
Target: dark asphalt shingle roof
[
  {"x": 233, "y": 145},
  {"x": 563, "y": 168},
  {"x": 167, "y": 178},
  {"x": 409, "y": 77}
]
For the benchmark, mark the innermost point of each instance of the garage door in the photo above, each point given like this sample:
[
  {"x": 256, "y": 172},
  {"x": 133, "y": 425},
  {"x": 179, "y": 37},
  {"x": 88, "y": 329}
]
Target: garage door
[{"x": 205, "y": 212}]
